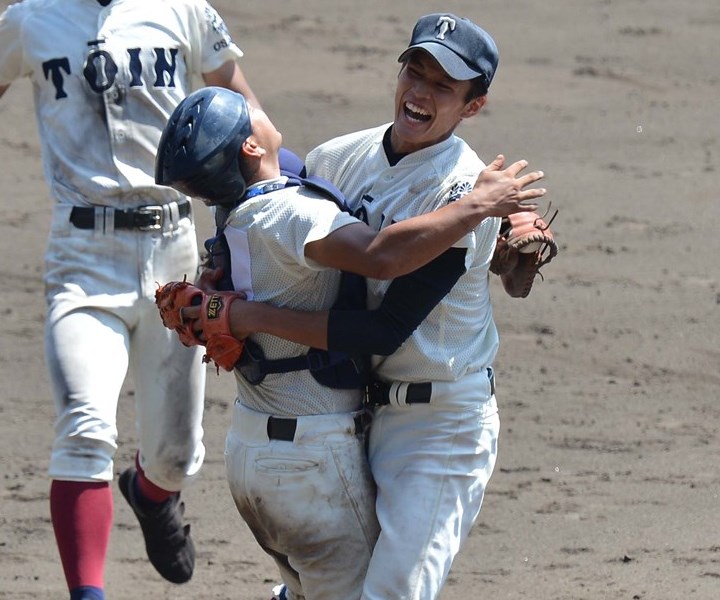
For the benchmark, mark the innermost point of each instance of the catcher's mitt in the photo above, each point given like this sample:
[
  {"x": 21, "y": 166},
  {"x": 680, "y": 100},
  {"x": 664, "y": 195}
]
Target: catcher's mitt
[
  {"x": 171, "y": 299},
  {"x": 214, "y": 321},
  {"x": 524, "y": 244}
]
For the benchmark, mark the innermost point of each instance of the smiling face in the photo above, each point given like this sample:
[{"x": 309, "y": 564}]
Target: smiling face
[{"x": 429, "y": 104}]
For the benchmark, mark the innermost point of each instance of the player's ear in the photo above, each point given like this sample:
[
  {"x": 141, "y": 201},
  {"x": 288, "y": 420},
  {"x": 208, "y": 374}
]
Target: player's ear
[
  {"x": 473, "y": 107},
  {"x": 251, "y": 147}
]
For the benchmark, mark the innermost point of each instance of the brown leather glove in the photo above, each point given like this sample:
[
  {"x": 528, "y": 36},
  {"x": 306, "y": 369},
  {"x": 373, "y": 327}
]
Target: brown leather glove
[{"x": 524, "y": 244}]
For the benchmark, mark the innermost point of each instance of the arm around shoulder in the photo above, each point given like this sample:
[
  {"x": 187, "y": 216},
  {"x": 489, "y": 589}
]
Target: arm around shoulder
[{"x": 406, "y": 304}]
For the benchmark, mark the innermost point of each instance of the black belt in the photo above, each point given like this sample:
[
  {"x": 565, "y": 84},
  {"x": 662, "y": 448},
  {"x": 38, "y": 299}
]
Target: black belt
[
  {"x": 283, "y": 428},
  {"x": 144, "y": 218},
  {"x": 378, "y": 392}
]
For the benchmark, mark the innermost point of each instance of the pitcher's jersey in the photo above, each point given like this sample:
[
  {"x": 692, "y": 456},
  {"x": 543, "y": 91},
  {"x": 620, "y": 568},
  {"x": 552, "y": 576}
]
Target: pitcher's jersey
[
  {"x": 105, "y": 84},
  {"x": 459, "y": 335},
  {"x": 267, "y": 236}
]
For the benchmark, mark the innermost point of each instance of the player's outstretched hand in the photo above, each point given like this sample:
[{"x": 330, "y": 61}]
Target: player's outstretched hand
[{"x": 502, "y": 191}]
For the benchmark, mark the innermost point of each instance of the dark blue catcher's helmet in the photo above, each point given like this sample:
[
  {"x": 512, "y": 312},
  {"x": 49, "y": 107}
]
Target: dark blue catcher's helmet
[{"x": 199, "y": 149}]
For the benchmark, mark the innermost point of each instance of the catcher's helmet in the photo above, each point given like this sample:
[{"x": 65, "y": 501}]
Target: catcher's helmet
[{"x": 198, "y": 153}]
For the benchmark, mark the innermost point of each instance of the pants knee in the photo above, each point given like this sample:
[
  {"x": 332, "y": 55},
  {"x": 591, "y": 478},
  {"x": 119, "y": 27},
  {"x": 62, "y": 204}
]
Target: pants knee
[
  {"x": 172, "y": 470},
  {"x": 82, "y": 459}
]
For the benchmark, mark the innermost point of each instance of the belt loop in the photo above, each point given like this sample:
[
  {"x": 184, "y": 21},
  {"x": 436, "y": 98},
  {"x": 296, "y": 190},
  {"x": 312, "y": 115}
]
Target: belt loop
[
  {"x": 174, "y": 214},
  {"x": 398, "y": 393},
  {"x": 109, "y": 221},
  {"x": 99, "y": 214},
  {"x": 166, "y": 222},
  {"x": 392, "y": 393},
  {"x": 171, "y": 216}
]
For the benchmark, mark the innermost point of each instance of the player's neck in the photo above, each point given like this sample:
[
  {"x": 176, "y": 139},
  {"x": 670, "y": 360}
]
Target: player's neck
[
  {"x": 260, "y": 165},
  {"x": 268, "y": 170}
]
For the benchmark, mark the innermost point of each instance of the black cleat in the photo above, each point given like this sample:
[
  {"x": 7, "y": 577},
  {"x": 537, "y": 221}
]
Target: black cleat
[{"x": 167, "y": 542}]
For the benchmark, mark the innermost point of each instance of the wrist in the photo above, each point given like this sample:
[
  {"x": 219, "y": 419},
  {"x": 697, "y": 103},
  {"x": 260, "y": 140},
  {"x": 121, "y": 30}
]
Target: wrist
[{"x": 474, "y": 210}]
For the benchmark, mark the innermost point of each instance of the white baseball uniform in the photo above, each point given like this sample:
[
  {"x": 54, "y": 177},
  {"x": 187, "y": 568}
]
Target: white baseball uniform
[
  {"x": 307, "y": 495},
  {"x": 431, "y": 461},
  {"x": 104, "y": 85}
]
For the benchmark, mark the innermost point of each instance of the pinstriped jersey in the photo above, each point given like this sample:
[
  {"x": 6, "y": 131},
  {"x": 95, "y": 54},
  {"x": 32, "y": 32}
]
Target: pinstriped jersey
[
  {"x": 267, "y": 235},
  {"x": 105, "y": 83},
  {"x": 459, "y": 335}
]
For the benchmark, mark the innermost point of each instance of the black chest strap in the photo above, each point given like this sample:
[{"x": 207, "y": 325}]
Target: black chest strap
[{"x": 333, "y": 369}]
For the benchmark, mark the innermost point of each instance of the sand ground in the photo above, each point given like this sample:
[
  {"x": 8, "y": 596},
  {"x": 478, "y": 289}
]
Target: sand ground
[{"x": 607, "y": 484}]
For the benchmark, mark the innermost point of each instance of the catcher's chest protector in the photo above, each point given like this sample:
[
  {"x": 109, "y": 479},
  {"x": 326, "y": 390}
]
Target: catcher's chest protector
[{"x": 329, "y": 368}]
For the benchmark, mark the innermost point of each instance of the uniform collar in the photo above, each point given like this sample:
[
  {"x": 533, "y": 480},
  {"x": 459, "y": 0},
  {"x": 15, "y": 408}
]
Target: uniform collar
[{"x": 265, "y": 187}]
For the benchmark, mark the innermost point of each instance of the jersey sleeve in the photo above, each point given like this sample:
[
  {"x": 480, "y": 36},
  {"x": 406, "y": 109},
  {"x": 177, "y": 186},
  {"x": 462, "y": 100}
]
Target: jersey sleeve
[
  {"x": 314, "y": 219},
  {"x": 212, "y": 40},
  {"x": 11, "y": 45},
  {"x": 287, "y": 221}
]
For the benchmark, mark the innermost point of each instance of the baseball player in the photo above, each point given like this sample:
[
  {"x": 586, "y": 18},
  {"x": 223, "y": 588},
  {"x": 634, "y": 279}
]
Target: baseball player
[
  {"x": 295, "y": 451},
  {"x": 433, "y": 439},
  {"x": 106, "y": 76}
]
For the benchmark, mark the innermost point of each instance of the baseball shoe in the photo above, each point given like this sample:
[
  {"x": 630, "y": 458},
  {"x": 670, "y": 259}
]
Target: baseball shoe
[
  {"x": 167, "y": 542},
  {"x": 279, "y": 592}
]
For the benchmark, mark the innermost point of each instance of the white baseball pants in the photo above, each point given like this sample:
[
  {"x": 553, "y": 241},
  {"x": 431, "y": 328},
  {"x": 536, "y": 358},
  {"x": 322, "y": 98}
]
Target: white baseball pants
[
  {"x": 431, "y": 463},
  {"x": 309, "y": 502},
  {"x": 101, "y": 320}
]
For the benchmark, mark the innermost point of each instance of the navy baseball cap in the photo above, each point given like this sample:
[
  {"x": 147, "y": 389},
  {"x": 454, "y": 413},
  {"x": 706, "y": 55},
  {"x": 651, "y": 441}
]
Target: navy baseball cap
[{"x": 464, "y": 50}]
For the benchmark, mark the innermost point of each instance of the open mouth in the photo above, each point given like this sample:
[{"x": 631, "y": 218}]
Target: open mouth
[{"x": 416, "y": 113}]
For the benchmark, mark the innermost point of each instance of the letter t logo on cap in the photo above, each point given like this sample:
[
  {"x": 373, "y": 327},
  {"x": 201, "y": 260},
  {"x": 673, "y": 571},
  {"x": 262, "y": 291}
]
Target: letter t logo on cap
[{"x": 444, "y": 24}]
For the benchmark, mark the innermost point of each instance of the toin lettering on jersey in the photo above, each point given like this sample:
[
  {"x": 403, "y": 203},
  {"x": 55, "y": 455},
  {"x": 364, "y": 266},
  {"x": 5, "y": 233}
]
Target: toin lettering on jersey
[{"x": 100, "y": 70}]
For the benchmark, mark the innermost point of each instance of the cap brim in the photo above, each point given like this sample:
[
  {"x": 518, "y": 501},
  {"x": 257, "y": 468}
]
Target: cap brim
[{"x": 451, "y": 63}]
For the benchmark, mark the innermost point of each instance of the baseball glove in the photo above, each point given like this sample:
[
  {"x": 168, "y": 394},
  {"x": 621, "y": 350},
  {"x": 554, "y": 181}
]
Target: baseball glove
[
  {"x": 524, "y": 244},
  {"x": 171, "y": 299},
  {"x": 213, "y": 322}
]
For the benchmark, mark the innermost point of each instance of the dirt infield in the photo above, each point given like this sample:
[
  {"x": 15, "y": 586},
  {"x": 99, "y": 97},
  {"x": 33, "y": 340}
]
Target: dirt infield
[{"x": 608, "y": 379}]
